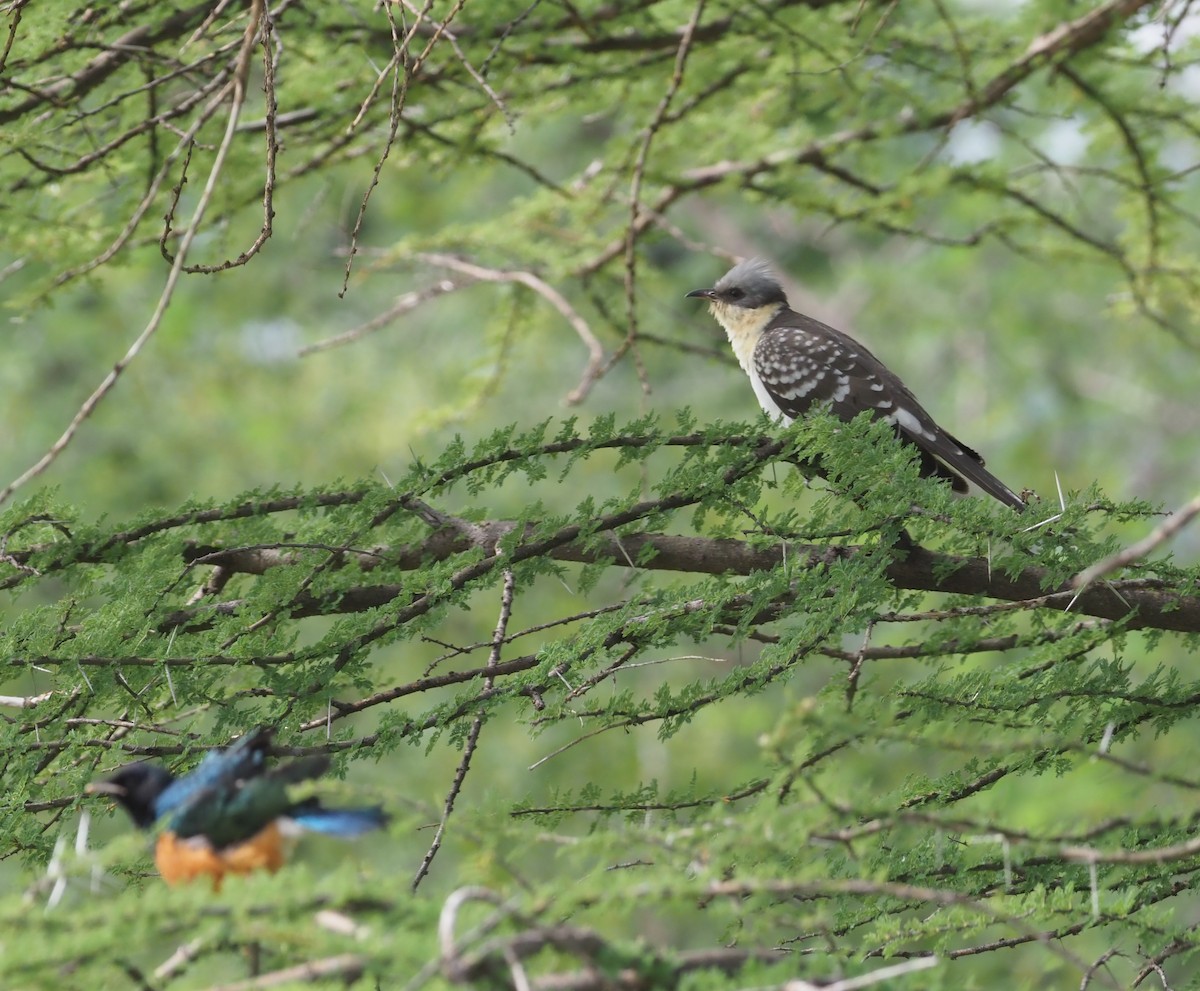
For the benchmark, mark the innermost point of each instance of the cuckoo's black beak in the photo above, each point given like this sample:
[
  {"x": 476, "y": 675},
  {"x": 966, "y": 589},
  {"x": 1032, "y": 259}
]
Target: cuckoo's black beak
[{"x": 702, "y": 294}]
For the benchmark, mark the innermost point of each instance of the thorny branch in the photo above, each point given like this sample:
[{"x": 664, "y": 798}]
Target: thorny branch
[
  {"x": 1138, "y": 603},
  {"x": 1147, "y": 545},
  {"x": 499, "y": 638},
  {"x": 471, "y": 959}
]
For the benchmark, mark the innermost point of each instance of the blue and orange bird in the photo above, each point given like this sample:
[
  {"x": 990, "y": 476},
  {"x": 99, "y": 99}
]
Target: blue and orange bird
[{"x": 232, "y": 814}]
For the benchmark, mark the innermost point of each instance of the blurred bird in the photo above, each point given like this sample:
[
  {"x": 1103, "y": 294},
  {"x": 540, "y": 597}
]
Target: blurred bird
[
  {"x": 795, "y": 363},
  {"x": 232, "y": 814}
]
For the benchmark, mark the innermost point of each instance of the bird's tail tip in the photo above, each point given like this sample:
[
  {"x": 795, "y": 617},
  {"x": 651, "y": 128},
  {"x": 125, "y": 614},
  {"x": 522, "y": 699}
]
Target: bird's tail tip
[{"x": 346, "y": 823}]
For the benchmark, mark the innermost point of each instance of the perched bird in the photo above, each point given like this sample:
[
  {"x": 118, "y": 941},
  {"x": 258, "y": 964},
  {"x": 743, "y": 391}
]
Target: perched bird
[
  {"x": 232, "y": 814},
  {"x": 795, "y": 363}
]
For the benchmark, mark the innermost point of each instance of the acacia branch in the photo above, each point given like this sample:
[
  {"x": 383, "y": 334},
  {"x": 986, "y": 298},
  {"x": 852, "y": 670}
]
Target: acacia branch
[
  {"x": 1068, "y": 38},
  {"x": 235, "y": 88},
  {"x": 347, "y": 967},
  {"x": 1138, "y": 603},
  {"x": 74, "y": 87},
  {"x": 1126, "y": 556}
]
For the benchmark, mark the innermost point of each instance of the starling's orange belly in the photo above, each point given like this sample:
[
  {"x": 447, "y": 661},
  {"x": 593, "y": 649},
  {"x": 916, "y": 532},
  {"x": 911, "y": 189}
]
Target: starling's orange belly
[{"x": 181, "y": 860}]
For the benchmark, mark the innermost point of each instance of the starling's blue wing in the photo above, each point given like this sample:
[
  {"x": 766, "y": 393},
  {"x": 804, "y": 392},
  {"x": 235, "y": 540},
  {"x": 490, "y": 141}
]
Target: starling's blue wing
[
  {"x": 220, "y": 769},
  {"x": 231, "y": 812},
  {"x": 242, "y": 798}
]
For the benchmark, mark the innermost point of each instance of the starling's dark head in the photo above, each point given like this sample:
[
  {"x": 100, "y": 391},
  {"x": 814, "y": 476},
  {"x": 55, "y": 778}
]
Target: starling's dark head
[
  {"x": 136, "y": 788},
  {"x": 749, "y": 285}
]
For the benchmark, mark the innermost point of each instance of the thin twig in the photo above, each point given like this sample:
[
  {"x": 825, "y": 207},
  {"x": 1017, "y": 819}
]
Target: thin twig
[
  {"x": 260, "y": 21},
  {"x": 476, "y": 74},
  {"x": 235, "y": 87},
  {"x": 552, "y": 296},
  {"x": 404, "y": 304},
  {"x": 400, "y": 84},
  {"x": 635, "y": 196},
  {"x": 184, "y": 954},
  {"x": 499, "y": 637},
  {"x": 25, "y": 701},
  {"x": 348, "y": 967},
  {"x": 1159, "y": 535}
]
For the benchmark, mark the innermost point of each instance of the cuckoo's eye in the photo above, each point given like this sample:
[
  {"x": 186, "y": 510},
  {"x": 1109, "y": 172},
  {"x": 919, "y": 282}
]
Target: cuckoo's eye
[{"x": 734, "y": 293}]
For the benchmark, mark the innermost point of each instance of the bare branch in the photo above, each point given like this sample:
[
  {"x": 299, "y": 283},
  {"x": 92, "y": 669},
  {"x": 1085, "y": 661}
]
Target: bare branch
[
  {"x": 348, "y": 967},
  {"x": 404, "y": 304},
  {"x": 1138, "y": 603},
  {"x": 1156, "y": 538},
  {"x": 499, "y": 637},
  {"x": 552, "y": 296}
]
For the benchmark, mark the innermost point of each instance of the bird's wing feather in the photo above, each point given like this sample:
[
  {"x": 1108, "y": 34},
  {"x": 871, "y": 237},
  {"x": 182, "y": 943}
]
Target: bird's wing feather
[
  {"x": 232, "y": 808},
  {"x": 232, "y": 811},
  {"x": 244, "y": 758},
  {"x": 803, "y": 362}
]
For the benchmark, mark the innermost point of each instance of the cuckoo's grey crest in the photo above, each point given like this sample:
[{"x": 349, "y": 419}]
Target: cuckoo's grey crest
[{"x": 795, "y": 362}]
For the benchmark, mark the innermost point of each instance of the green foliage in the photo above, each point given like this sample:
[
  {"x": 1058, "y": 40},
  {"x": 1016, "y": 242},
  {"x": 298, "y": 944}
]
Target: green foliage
[
  {"x": 715, "y": 705},
  {"x": 331, "y": 603}
]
